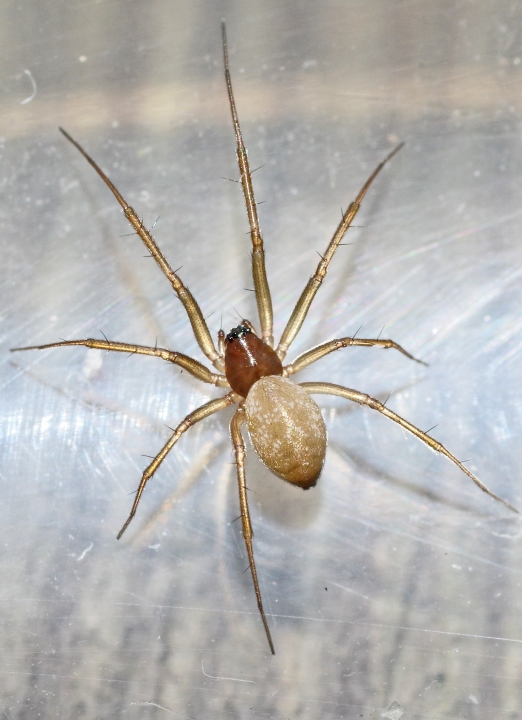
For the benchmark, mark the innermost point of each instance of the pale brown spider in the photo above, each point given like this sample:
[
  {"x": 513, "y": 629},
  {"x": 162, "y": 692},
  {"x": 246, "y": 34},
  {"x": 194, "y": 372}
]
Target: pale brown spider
[{"x": 284, "y": 423}]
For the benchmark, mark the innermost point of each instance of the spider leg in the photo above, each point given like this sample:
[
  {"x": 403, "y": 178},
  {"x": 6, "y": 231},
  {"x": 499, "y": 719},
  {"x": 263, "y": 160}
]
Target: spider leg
[
  {"x": 248, "y": 533},
  {"x": 363, "y": 399},
  {"x": 262, "y": 290},
  {"x": 300, "y": 311},
  {"x": 192, "y": 418},
  {"x": 195, "y": 316},
  {"x": 320, "y": 351},
  {"x": 192, "y": 366}
]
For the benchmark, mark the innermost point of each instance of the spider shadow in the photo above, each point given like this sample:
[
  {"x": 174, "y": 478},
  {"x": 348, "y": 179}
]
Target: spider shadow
[
  {"x": 372, "y": 471},
  {"x": 88, "y": 399},
  {"x": 270, "y": 499},
  {"x": 370, "y": 207},
  {"x": 124, "y": 266},
  {"x": 375, "y": 473},
  {"x": 277, "y": 501},
  {"x": 208, "y": 457}
]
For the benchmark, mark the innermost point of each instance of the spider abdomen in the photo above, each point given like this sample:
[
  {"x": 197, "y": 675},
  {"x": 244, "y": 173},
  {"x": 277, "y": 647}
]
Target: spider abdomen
[{"x": 287, "y": 430}]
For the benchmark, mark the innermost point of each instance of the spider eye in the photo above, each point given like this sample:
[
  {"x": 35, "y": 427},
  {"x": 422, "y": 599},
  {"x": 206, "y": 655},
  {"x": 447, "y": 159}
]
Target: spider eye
[{"x": 238, "y": 332}]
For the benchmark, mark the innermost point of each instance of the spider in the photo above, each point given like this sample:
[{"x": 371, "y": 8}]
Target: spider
[{"x": 285, "y": 425}]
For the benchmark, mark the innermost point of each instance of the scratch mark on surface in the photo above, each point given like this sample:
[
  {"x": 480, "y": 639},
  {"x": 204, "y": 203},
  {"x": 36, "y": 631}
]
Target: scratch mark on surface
[
  {"x": 458, "y": 235},
  {"x": 403, "y": 627},
  {"x": 84, "y": 553},
  {"x": 153, "y": 704},
  {"x": 432, "y": 543},
  {"x": 350, "y": 590},
  {"x": 214, "y": 677},
  {"x": 280, "y": 616},
  {"x": 33, "y": 85}
]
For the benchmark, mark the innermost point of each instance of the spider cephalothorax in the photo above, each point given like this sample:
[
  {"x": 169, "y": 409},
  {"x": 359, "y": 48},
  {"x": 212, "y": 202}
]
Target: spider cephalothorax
[
  {"x": 247, "y": 359},
  {"x": 284, "y": 423}
]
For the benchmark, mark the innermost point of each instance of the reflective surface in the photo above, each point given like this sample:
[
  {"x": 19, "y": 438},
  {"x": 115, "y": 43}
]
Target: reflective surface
[{"x": 395, "y": 580}]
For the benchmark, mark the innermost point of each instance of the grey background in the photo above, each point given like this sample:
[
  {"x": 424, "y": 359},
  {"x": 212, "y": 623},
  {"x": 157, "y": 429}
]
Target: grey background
[{"x": 395, "y": 580}]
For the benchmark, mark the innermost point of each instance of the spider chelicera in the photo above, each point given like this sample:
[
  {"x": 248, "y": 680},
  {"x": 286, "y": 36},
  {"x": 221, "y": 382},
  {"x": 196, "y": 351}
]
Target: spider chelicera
[{"x": 284, "y": 423}]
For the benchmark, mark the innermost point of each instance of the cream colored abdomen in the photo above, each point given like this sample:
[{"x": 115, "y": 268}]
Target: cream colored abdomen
[{"x": 287, "y": 430}]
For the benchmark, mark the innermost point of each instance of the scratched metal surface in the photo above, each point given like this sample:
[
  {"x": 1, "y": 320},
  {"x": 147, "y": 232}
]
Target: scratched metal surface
[{"x": 395, "y": 580}]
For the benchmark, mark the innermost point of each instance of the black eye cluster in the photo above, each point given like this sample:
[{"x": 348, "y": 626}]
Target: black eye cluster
[{"x": 238, "y": 332}]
